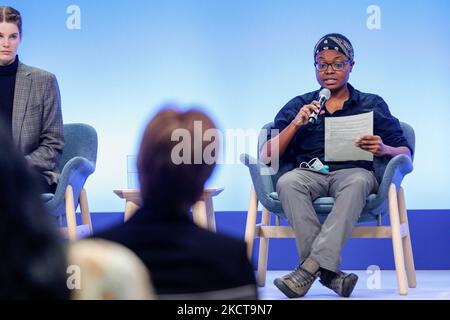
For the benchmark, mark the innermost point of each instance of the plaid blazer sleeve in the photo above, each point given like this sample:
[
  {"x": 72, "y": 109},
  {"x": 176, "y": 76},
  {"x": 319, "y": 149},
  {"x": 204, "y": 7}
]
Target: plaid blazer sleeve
[{"x": 51, "y": 137}]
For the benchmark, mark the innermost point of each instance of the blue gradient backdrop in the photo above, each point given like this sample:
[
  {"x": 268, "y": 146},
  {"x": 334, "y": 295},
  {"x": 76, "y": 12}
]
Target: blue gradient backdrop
[{"x": 242, "y": 61}]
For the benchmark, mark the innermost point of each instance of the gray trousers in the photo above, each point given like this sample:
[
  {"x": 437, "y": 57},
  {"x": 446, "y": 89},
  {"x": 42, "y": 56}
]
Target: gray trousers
[{"x": 298, "y": 189}]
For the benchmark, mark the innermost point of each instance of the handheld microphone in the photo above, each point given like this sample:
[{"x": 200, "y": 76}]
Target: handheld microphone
[{"x": 324, "y": 95}]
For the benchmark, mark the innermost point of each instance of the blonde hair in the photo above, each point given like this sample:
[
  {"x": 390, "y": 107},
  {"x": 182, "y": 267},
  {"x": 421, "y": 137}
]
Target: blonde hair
[{"x": 109, "y": 271}]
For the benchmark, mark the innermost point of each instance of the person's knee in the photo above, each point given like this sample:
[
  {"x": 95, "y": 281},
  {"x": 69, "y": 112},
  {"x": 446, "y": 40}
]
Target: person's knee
[
  {"x": 290, "y": 181},
  {"x": 282, "y": 182},
  {"x": 361, "y": 181}
]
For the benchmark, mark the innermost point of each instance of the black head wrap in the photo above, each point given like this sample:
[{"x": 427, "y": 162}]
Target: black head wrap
[{"x": 335, "y": 41}]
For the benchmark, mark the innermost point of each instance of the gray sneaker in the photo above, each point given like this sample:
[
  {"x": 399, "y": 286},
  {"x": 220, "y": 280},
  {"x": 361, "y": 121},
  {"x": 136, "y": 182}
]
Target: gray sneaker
[
  {"x": 297, "y": 283},
  {"x": 341, "y": 283}
]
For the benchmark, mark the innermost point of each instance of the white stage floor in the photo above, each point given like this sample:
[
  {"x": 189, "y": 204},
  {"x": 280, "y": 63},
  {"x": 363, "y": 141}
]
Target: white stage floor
[{"x": 431, "y": 285}]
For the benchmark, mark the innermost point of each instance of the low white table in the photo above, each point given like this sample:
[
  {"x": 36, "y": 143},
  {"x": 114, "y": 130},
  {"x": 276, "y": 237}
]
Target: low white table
[{"x": 202, "y": 211}]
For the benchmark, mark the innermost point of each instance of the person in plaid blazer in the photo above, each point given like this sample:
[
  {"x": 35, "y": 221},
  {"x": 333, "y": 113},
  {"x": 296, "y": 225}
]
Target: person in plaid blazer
[{"x": 31, "y": 102}]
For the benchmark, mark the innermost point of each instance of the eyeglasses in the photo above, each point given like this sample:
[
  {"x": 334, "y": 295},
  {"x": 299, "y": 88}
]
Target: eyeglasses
[{"x": 336, "y": 66}]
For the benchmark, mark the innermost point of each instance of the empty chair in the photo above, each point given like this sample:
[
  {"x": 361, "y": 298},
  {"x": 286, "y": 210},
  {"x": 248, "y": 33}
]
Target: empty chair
[{"x": 76, "y": 165}]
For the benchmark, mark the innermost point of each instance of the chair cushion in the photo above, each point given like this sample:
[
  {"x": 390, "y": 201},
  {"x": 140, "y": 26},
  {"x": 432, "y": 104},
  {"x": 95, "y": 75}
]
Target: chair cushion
[
  {"x": 46, "y": 197},
  {"x": 274, "y": 196},
  {"x": 324, "y": 205}
]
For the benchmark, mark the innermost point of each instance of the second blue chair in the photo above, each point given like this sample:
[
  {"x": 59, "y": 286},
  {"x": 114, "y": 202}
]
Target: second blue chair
[
  {"x": 76, "y": 165},
  {"x": 389, "y": 199}
]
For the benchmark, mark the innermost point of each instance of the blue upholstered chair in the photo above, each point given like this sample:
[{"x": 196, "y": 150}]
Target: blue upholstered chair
[
  {"x": 390, "y": 200},
  {"x": 76, "y": 165}
]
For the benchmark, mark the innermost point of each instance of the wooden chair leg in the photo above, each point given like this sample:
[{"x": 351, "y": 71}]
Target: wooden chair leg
[
  {"x": 85, "y": 213},
  {"x": 199, "y": 214},
  {"x": 397, "y": 241},
  {"x": 130, "y": 210},
  {"x": 210, "y": 217},
  {"x": 60, "y": 221},
  {"x": 263, "y": 251},
  {"x": 70, "y": 214},
  {"x": 250, "y": 227},
  {"x": 409, "y": 259},
  {"x": 277, "y": 221}
]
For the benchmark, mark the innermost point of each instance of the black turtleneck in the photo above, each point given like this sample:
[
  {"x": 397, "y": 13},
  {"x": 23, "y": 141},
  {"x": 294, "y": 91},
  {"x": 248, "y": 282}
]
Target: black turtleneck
[{"x": 7, "y": 87}]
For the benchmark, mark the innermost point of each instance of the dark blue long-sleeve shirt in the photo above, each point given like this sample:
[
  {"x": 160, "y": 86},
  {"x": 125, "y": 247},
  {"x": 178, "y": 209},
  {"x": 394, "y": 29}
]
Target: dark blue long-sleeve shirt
[{"x": 309, "y": 141}]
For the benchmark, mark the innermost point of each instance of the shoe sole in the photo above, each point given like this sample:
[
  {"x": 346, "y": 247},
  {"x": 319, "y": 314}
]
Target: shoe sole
[
  {"x": 349, "y": 284},
  {"x": 285, "y": 289}
]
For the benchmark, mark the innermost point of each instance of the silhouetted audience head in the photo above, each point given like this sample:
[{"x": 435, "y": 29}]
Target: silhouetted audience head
[
  {"x": 32, "y": 255},
  {"x": 108, "y": 271},
  {"x": 177, "y": 155}
]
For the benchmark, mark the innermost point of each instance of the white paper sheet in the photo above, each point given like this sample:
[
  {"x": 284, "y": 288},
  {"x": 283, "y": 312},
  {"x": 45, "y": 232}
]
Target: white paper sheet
[{"x": 340, "y": 136}]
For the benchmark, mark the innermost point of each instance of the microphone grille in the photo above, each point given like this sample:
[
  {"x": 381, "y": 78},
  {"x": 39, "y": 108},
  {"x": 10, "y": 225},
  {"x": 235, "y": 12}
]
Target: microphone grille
[{"x": 326, "y": 93}]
